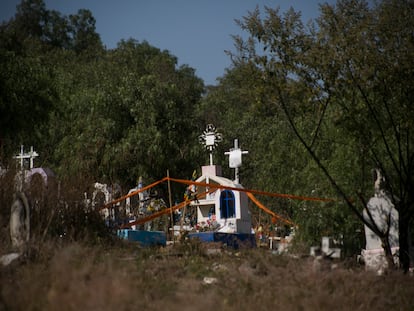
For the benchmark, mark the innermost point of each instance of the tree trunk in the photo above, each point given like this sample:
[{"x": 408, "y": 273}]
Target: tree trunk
[
  {"x": 388, "y": 252},
  {"x": 403, "y": 223}
]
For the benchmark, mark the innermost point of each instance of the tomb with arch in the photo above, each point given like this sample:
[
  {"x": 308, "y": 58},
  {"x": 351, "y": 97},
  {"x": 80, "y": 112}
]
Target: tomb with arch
[{"x": 222, "y": 213}]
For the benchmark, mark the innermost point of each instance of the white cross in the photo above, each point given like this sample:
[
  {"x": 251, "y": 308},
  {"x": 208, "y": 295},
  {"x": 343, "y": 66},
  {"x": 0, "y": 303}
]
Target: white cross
[
  {"x": 235, "y": 159},
  {"x": 31, "y": 155}
]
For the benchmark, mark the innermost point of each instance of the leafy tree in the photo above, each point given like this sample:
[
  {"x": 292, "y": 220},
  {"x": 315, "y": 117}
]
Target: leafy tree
[
  {"x": 128, "y": 114},
  {"x": 347, "y": 75},
  {"x": 83, "y": 32},
  {"x": 31, "y": 44},
  {"x": 35, "y": 30},
  {"x": 27, "y": 96}
]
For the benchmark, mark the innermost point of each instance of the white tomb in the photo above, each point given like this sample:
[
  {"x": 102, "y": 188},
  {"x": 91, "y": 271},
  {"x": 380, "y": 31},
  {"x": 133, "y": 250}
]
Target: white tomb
[{"x": 223, "y": 210}]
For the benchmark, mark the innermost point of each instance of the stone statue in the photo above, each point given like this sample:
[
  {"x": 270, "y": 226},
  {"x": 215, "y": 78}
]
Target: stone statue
[
  {"x": 19, "y": 221},
  {"x": 381, "y": 212}
]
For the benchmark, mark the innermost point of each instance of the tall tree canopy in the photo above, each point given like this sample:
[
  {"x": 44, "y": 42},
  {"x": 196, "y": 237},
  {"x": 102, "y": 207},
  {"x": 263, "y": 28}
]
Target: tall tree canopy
[
  {"x": 129, "y": 114},
  {"x": 111, "y": 115},
  {"x": 343, "y": 82},
  {"x": 32, "y": 45}
]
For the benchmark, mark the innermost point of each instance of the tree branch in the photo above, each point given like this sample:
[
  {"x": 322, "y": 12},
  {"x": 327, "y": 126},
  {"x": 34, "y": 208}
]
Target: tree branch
[
  {"x": 321, "y": 166},
  {"x": 320, "y": 122},
  {"x": 378, "y": 123}
]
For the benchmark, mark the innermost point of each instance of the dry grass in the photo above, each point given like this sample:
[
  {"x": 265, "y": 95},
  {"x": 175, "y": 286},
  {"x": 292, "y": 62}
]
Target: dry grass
[
  {"x": 77, "y": 276},
  {"x": 86, "y": 270}
]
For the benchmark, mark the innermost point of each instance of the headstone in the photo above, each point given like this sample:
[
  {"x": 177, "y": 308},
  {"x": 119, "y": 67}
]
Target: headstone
[
  {"x": 20, "y": 221},
  {"x": 329, "y": 248}
]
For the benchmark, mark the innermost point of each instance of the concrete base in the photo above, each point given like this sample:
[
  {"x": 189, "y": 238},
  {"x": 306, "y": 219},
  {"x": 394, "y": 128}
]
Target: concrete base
[
  {"x": 144, "y": 238},
  {"x": 233, "y": 240}
]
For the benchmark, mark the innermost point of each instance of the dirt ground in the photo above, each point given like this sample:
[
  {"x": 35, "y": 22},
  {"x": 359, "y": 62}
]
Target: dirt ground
[{"x": 189, "y": 276}]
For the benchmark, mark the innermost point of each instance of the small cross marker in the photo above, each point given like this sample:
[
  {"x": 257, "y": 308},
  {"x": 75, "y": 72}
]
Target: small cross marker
[
  {"x": 235, "y": 158},
  {"x": 30, "y": 155}
]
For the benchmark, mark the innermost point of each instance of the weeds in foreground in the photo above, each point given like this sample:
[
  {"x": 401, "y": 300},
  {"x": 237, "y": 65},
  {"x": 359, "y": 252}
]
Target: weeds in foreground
[
  {"x": 122, "y": 276},
  {"x": 73, "y": 262}
]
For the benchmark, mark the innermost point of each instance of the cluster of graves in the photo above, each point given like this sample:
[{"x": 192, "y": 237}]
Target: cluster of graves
[{"x": 222, "y": 215}]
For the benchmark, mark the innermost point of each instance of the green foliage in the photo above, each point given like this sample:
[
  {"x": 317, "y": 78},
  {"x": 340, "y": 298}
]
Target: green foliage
[
  {"x": 113, "y": 115},
  {"x": 342, "y": 84},
  {"x": 27, "y": 96},
  {"x": 130, "y": 114}
]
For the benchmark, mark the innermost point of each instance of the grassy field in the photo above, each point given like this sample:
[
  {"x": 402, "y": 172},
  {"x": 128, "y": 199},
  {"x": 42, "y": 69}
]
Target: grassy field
[{"x": 60, "y": 275}]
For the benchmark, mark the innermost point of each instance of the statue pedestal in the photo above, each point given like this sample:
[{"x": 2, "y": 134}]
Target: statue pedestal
[{"x": 375, "y": 260}]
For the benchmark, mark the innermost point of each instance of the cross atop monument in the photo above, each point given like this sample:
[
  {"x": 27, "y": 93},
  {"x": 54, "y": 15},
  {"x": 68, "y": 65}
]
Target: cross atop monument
[
  {"x": 235, "y": 159},
  {"x": 210, "y": 139},
  {"x": 30, "y": 155}
]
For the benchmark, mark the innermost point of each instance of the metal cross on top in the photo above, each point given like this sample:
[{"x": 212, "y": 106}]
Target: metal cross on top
[
  {"x": 210, "y": 139},
  {"x": 235, "y": 159},
  {"x": 30, "y": 155}
]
